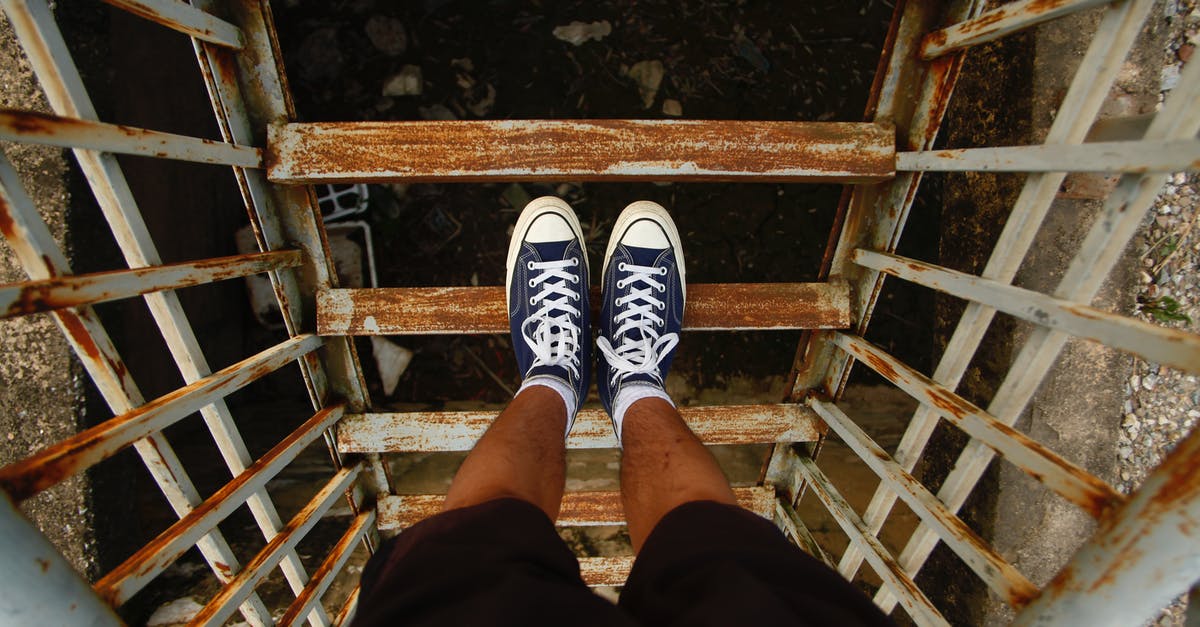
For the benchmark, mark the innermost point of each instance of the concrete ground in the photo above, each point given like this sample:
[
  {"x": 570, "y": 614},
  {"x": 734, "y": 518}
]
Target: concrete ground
[{"x": 41, "y": 384}]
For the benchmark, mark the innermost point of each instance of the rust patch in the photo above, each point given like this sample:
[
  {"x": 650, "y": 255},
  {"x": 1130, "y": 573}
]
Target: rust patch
[
  {"x": 881, "y": 366},
  {"x": 948, "y": 402},
  {"x": 74, "y": 326},
  {"x": 8, "y": 226},
  {"x": 44, "y": 565}
]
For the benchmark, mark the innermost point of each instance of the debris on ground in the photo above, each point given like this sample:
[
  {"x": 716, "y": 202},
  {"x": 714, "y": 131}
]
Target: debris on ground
[
  {"x": 648, "y": 76},
  {"x": 406, "y": 82},
  {"x": 392, "y": 360},
  {"x": 578, "y": 33},
  {"x": 177, "y": 612}
]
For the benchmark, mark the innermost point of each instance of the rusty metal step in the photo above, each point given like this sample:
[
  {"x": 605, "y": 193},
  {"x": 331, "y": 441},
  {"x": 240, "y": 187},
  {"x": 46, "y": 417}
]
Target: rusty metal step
[
  {"x": 578, "y": 508},
  {"x": 454, "y": 310},
  {"x": 458, "y": 431},
  {"x": 605, "y": 571},
  {"x": 580, "y": 150}
]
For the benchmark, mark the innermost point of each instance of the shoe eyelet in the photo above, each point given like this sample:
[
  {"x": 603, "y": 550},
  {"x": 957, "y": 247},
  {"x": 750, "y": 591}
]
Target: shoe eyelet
[
  {"x": 574, "y": 261},
  {"x": 529, "y": 265},
  {"x": 618, "y": 302},
  {"x": 621, "y": 266},
  {"x": 530, "y": 300},
  {"x": 662, "y": 306},
  {"x": 663, "y": 271},
  {"x": 662, "y": 288},
  {"x": 620, "y": 285},
  {"x": 530, "y": 282},
  {"x": 574, "y": 279}
]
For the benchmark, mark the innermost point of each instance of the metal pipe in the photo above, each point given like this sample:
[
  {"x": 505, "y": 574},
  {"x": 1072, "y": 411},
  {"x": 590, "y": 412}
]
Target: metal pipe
[
  {"x": 1140, "y": 559},
  {"x": 40, "y": 587}
]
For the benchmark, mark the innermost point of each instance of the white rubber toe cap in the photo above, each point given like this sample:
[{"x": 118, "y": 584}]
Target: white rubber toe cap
[{"x": 646, "y": 234}]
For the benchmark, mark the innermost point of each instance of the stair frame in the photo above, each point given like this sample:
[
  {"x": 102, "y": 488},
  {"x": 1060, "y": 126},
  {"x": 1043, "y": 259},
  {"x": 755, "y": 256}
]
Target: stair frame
[{"x": 1144, "y": 554}]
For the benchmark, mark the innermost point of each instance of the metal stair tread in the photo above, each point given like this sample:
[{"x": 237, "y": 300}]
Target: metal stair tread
[
  {"x": 580, "y": 150},
  {"x": 457, "y": 310},
  {"x": 432, "y": 431}
]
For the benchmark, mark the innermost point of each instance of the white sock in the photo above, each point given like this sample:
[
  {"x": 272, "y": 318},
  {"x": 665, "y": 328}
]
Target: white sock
[
  {"x": 629, "y": 395},
  {"x": 558, "y": 385}
]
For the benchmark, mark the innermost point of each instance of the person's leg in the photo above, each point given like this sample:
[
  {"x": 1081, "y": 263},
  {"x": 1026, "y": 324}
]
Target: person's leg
[
  {"x": 702, "y": 560},
  {"x": 493, "y": 556},
  {"x": 663, "y": 466},
  {"x": 521, "y": 456}
]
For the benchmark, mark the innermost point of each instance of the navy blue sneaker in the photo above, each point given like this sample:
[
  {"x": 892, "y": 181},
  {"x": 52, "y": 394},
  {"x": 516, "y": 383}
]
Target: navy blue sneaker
[
  {"x": 547, "y": 297},
  {"x": 644, "y": 289}
]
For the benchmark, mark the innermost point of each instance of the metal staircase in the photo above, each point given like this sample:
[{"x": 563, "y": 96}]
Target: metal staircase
[{"x": 881, "y": 161}]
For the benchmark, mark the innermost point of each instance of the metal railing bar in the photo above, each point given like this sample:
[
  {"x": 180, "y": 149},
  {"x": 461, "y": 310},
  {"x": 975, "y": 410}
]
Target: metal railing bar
[
  {"x": 1140, "y": 560},
  {"x": 346, "y": 614},
  {"x": 41, "y": 258},
  {"x": 324, "y": 574},
  {"x": 120, "y": 584},
  {"x": 1063, "y": 477},
  {"x": 185, "y": 18},
  {"x": 1118, "y": 221},
  {"x": 1129, "y": 156},
  {"x": 60, "y": 79},
  {"x": 998, "y": 574},
  {"x": 914, "y": 601},
  {"x": 998, "y": 22},
  {"x": 1171, "y": 347},
  {"x": 51, "y": 465},
  {"x": 790, "y": 522},
  {"x": 87, "y": 289},
  {"x": 53, "y": 130},
  {"x": 218, "y": 610},
  {"x": 1089, "y": 88}
]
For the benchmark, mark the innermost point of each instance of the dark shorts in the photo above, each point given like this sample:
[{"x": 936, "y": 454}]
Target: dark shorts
[{"x": 503, "y": 563}]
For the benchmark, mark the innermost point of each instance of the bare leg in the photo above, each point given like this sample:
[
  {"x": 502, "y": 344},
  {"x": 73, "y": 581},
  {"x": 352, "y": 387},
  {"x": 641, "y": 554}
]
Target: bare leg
[
  {"x": 663, "y": 466},
  {"x": 522, "y": 455}
]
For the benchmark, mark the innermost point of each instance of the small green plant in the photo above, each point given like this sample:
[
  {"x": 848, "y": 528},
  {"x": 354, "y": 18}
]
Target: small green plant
[{"x": 1163, "y": 309}]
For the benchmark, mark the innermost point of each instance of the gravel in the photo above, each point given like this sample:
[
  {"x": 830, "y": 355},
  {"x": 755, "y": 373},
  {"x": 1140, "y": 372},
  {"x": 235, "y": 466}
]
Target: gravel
[{"x": 1162, "y": 404}]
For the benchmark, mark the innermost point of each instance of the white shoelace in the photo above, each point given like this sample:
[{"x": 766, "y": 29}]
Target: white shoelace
[
  {"x": 555, "y": 334},
  {"x": 640, "y": 355}
]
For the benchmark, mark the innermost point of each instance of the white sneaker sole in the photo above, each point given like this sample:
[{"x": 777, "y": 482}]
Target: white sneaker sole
[
  {"x": 646, "y": 210},
  {"x": 536, "y": 208}
]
